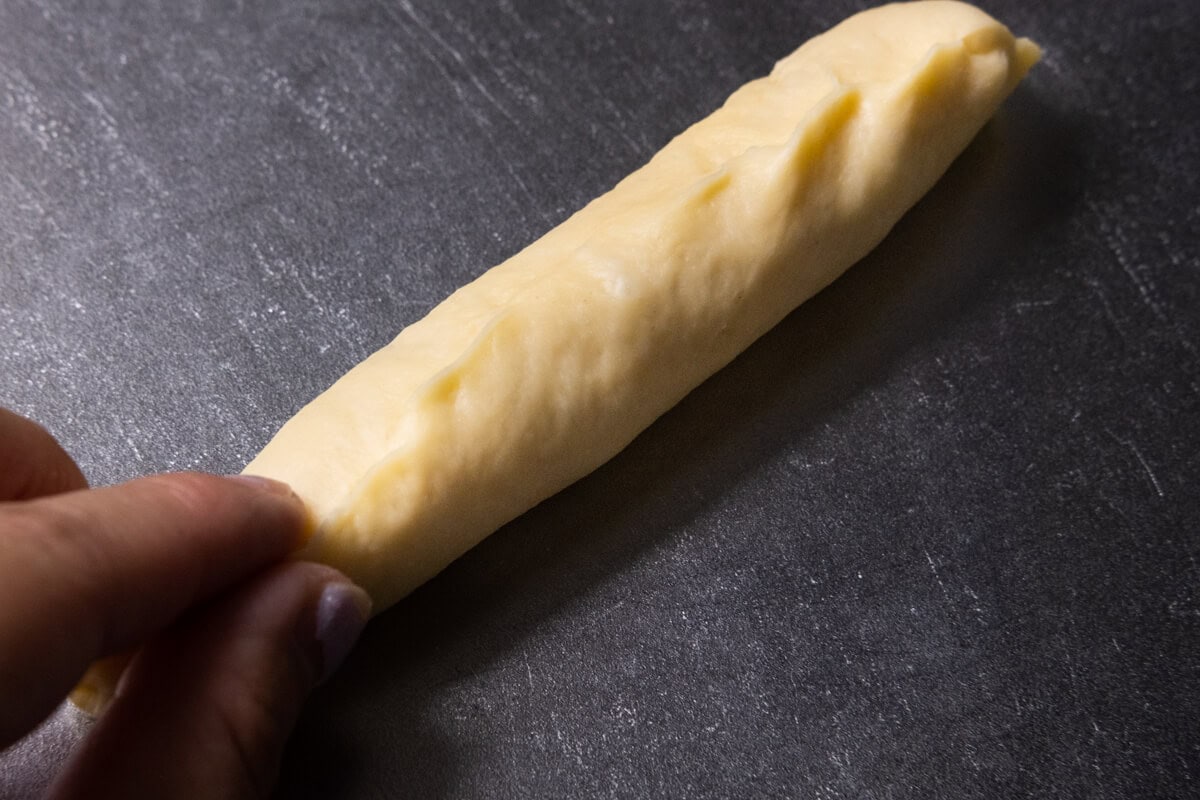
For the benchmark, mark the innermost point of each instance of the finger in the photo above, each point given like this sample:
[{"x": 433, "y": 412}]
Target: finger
[
  {"x": 205, "y": 710},
  {"x": 32, "y": 462},
  {"x": 88, "y": 574}
]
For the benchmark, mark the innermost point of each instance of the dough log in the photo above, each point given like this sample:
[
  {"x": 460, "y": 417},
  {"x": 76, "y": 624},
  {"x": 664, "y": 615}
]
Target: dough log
[{"x": 549, "y": 364}]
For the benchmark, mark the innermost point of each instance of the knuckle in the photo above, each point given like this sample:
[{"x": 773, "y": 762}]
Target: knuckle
[
  {"x": 256, "y": 720},
  {"x": 61, "y": 549},
  {"x": 60, "y": 532},
  {"x": 19, "y": 520}
]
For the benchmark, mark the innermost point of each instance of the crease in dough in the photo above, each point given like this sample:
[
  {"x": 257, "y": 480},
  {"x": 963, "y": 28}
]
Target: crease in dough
[{"x": 546, "y": 366}]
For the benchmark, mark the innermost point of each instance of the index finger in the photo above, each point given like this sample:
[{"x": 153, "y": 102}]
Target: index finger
[{"x": 91, "y": 573}]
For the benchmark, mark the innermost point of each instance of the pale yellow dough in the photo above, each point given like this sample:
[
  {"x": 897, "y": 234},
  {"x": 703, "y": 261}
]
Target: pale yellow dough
[{"x": 549, "y": 364}]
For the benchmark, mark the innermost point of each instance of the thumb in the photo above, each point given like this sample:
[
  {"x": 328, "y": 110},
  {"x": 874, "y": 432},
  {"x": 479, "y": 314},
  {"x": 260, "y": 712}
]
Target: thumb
[{"x": 205, "y": 709}]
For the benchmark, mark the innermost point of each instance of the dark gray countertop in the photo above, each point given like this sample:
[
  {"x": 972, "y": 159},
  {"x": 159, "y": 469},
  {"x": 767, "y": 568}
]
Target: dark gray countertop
[{"x": 934, "y": 536}]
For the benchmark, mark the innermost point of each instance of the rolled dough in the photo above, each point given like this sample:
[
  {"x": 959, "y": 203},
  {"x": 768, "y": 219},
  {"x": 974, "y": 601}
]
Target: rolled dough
[{"x": 549, "y": 364}]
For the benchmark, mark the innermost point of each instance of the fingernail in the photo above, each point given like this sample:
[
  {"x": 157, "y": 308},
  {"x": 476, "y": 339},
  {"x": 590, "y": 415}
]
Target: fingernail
[
  {"x": 263, "y": 484},
  {"x": 342, "y": 612}
]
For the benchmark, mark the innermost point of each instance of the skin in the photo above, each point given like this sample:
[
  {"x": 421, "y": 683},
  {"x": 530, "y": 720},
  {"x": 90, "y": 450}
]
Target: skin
[{"x": 189, "y": 572}]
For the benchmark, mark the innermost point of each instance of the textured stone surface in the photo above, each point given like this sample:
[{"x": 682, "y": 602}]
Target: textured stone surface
[{"x": 934, "y": 536}]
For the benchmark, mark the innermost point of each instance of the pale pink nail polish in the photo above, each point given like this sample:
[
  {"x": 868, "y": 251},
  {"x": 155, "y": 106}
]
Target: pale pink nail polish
[{"x": 342, "y": 613}]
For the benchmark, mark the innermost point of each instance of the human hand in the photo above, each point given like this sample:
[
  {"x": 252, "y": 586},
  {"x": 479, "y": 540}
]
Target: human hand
[{"x": 189, "y": 571}]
